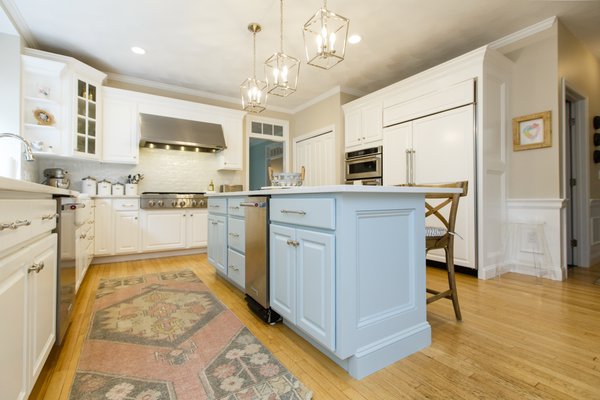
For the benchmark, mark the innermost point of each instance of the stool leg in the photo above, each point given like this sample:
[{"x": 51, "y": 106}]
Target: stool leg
[{"x": 451, "y": 281}]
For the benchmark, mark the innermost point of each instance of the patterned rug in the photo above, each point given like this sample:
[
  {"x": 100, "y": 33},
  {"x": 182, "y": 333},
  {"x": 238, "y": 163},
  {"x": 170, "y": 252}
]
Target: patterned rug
[{"x": 165, "y": 336}]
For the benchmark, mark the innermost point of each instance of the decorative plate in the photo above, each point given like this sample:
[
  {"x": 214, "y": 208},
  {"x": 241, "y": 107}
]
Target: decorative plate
[{"x": 43, "y": 117}]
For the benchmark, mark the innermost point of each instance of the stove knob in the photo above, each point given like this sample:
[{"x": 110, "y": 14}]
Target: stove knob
[
  {"x": 151, "y": 203},
  {"x": 202, "y": 203},
  {"x": 161, "y": 203},
  {"x": 194, "y": 203},
  {"x": 182, "y": 203},
  {"x": 174, "y": 203}
]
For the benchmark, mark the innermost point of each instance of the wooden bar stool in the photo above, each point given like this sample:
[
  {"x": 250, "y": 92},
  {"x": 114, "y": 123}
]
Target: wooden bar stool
[{"x": 443, "y": 237}]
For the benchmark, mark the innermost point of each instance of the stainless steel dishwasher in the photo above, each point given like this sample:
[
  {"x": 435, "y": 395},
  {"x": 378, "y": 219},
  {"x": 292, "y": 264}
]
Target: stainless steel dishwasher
[{"x": 257, "y": 258}]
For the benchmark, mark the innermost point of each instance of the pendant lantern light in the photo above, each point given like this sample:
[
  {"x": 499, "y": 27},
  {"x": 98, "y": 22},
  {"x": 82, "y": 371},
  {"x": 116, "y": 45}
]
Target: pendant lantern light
[
  {"x": 281, "y": 70},
  {"x": 254, "y": 94},
  {"x": 325, "y": 36}
]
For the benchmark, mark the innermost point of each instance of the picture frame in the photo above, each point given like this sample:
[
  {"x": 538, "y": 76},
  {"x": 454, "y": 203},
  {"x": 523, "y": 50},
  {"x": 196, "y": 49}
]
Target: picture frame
[{"x": 532, "y": 131}]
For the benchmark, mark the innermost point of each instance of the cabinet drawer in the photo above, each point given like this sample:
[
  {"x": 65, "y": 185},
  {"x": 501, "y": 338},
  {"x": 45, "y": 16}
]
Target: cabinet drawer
[
  {"x": 318, "y": 213},
  {"x": 126, "y": 204},
  {"x": 234, "y": 208},
  {"x": 25, "y": 219},
  {"x": 217, "y": 205},
  {"x": 236, "y": 234},
  {"x": 236, "y": 267}
]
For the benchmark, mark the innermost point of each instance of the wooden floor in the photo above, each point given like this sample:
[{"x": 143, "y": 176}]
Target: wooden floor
[{"x": 520, "y": 339}]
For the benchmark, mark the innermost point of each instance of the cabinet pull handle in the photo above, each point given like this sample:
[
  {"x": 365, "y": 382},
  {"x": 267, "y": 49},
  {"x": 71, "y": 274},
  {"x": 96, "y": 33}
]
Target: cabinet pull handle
[
  {"x": 408, "y": 166},
  {"x": 299, "y": 212},
  {"x": 49, "y": 216},
  {"x": 83, "y": 236},
  {"x": 234, "y": 207},
  {"x": 128, "y": 205},
  {"x": 36, "y": 267},
  {"x": 412, "y": 166},
  {"x": 15, "y": 225},
  {"x": 294, "y": 243},
  {"x": 214, "y": 206},
  {"x": 214, "y": 223},
  {"x": 232, "y": 234},
  {"x": 234, "y": 268}
]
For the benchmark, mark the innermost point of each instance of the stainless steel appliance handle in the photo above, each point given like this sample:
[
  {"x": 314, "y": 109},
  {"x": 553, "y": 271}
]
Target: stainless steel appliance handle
[
  {"x": 36, "y": 268},
  {"x": 252, "y": 204},
  {"x": 412, "y": 167},
  {"x": 299, "y": 212},
  {"x": 73, "y": 206}
]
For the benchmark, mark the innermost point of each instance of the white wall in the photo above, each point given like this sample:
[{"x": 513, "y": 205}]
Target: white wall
[
  {"x": 10, "y": 100},
  {"x": 163, "y": 170}
]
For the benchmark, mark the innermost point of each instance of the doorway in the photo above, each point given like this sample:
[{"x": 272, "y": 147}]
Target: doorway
[
  {"x": 267, "y": 146},
  {"x": 576, "y": 182}
]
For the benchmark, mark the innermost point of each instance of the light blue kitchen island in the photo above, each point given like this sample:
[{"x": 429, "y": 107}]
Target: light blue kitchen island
[{"x": 347, "y": 266}]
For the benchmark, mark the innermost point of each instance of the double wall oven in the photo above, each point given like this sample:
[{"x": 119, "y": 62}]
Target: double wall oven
[{"x": 365, "y": 166}]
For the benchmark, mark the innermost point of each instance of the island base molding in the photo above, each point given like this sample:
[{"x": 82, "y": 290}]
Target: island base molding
[{"x": 378, "y": 355}]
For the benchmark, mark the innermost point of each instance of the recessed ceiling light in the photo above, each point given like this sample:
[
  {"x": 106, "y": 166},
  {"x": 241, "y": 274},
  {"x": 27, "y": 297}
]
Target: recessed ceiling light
[
  {"x": 354, "y": 39},
  {"x": 138, "y": 50}
]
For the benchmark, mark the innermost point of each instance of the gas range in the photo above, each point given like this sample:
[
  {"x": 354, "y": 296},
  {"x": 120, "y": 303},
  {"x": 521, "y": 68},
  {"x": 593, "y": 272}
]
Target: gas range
[{"x": 162, "y": 200}]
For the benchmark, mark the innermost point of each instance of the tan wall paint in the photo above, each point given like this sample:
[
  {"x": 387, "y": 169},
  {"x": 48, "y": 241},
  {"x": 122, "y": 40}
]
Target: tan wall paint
[
  {"x": 535, "y": 173},
  {"x": 582, "y": 70}
]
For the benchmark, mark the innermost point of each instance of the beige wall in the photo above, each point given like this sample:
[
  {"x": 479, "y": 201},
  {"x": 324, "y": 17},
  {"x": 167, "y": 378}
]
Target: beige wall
[
  {"x": 535, "y": 174},
  {"x": 10, "y": 100},
  {"x": 582, "y": 70}
]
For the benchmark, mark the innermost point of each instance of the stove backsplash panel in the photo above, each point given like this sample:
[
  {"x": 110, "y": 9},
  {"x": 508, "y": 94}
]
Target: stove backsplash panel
[{"x": 163, "y": 170}]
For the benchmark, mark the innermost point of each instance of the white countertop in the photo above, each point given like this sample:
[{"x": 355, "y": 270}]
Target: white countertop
[
  {"x": 338, "y": 189},
  {"x": 17, "y": 185},
  {"x": 116, "y": 196}
]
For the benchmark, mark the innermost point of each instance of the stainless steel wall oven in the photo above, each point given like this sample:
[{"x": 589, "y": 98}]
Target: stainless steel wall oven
[{"x": 365, "y": 165}]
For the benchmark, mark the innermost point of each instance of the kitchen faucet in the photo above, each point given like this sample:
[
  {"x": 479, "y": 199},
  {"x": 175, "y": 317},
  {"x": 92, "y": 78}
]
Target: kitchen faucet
[{"x": 28, "y": 151}]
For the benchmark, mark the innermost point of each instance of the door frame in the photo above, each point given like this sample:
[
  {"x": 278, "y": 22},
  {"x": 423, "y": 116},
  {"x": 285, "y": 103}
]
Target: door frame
[
  {"x": 317, "y": 132},
  {"x": 581, "y": 169},
  {"x": 285, "y": 139}
]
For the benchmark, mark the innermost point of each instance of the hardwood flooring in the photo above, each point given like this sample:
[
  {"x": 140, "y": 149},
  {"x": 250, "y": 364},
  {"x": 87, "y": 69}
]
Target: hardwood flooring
[{"x": 520, "y": 338}]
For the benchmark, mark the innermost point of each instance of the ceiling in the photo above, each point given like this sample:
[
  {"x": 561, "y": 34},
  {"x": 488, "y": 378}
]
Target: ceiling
[{"x": 205, "y": 45}]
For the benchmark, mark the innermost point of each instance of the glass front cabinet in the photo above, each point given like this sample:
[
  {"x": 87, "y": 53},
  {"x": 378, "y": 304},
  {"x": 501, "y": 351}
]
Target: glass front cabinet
[{"x": 86, "y": 138}]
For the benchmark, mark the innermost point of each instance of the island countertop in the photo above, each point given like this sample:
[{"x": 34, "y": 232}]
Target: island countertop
[
  {"x": 18, "y": 185},
  {"x": 337, "y": 189}
]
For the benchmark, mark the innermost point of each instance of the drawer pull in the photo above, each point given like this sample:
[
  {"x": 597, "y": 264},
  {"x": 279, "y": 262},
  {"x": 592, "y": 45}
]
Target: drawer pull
[
  {"x": 215, "y": 206},
  {"x": 214, "y": 222},
  {"x": 36, "y": 268},
  {"x": 90, "y": 238},
  {"x": 294, "y": 243},
  {"x": 299, "y": 212},
  {"x": 83, "y": 236},
  {"x": 15, "y": 225},
  {"x": 49, "y": 216},
  {"x": 232, "y": 234},
  {"x": 234, "y": 268},
  {"x": 234, "y": 207},
  {"x": 128, "y": 205}
]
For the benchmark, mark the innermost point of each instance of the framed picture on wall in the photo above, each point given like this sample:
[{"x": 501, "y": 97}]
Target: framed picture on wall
[{"x": 532, "y": 131}]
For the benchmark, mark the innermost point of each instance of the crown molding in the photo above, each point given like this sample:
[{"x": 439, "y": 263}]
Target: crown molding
[
  {"x": 183, "y": 90},
  {"x": 523, "y": 33},
  {"x": 334, "y": 90},
  {"x": 19, "y": 22}
]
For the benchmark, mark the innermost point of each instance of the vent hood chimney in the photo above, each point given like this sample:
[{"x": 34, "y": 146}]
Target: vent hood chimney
[{"x": 180, "y": 134}]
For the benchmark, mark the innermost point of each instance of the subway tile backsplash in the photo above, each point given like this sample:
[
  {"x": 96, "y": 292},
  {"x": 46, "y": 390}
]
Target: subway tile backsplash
[{"x": 163, "y": 170}]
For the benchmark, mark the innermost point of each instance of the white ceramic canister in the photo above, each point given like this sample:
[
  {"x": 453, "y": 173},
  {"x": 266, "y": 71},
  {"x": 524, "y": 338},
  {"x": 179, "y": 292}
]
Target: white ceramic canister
[
  {"x": 131, "y": 189},
  {"x": 88, "y": 185},
  {"x": 104, "y": 188},
  {"x": 118, "y": 189}
]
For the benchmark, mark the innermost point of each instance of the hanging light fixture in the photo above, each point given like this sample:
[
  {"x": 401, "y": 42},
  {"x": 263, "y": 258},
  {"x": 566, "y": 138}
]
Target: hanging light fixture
[
  {"x": 254, "y": 95},
  {"x": 282, "y": 70},
  {"x": 325, "y": 36}
]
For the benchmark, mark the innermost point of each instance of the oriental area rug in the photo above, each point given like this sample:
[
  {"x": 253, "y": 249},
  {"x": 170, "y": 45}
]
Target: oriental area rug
[{"x": 165, "y": 336}]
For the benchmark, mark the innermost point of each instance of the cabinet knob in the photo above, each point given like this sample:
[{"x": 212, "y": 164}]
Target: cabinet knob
[{"x": 36, "y": 267}]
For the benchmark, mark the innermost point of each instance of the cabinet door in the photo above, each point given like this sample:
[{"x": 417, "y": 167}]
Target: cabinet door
[
  {"x": 87, "y": 124},
  {"x": 127, "y": 231},
  {"x": 120, "y": 130},
  {"x": 372, "y": 123},
  {"x": 217, "y": 242},
  {"x": 353, "y": 128},
  {"x": 282, "y": 271},
  {"x": 163, "y": 230},
  {"x": 104, "y": 238},
  {"x": 13, "y": 278},
  {"x": 316, "y": 291},
  {"x": 231, "y": 157},
  {"x": 397, "y": 140},
  {"x": 80, "y": 258},
  {"x": 197, "y": 228},
  {"x": 41, "y": 291}
]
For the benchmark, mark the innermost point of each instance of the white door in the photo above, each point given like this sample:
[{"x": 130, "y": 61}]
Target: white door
[
  {"x": 317, "y": 155},
  {"x": 282, "y": 271},
  {"x": 315, "y": 298},
  {"x": 353, "y": 128},
  {"x": 197, "y": 228},
  {"x": 217, "y": 242},
  {"x": 397, "y": 140},
  {"x": 127, "y": 230},
  {"x": 163, "y": 230},
  {"x": 444, "y": 152}
]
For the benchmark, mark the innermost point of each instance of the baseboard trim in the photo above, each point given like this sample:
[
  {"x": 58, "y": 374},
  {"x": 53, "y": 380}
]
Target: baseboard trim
[
  {"x": 457, "y": 268},
  {"x": 146, "y": 256}
]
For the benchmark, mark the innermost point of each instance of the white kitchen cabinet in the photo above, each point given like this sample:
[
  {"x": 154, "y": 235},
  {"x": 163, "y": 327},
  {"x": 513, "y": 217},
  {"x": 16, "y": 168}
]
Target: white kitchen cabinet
[
  {"x": 196, "y": 228},
  {"x": 217, "y": 242},
  {"x": 163, "y": 230},
  {"x": 418, "y": 146},
  {"x": 87, "y": 124},
  {"x": 104, "y": 243},
  {"x": 127, "y": 232},
  {"x": 231, "y": 159},
  {"x": 302, "y": 281},
  {"x": 363, "y": 125},
  {"x": 121, "y": 127}
]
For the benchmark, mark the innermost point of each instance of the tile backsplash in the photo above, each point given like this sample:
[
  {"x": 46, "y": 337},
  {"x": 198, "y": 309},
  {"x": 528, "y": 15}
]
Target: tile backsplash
[{"x": 163, "y": 170}]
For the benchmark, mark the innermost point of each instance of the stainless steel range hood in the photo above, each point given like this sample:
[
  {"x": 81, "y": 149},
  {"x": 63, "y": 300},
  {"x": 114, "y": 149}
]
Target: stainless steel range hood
[{"x": 180, "y": 134}]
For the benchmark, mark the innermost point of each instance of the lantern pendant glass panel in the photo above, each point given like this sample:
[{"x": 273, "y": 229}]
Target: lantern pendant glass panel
[
  {"x": 325, "y": 36},
  {"x": 254, "y": 95},
  {"x": 281, "y": 72}
]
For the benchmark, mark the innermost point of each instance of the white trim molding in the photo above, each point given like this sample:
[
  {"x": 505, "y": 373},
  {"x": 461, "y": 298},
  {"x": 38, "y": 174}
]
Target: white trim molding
[
  {"x": 533, "y": 238},
  {"x": 523, "y": 33},
  {"x": 334, "y": 90}
]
